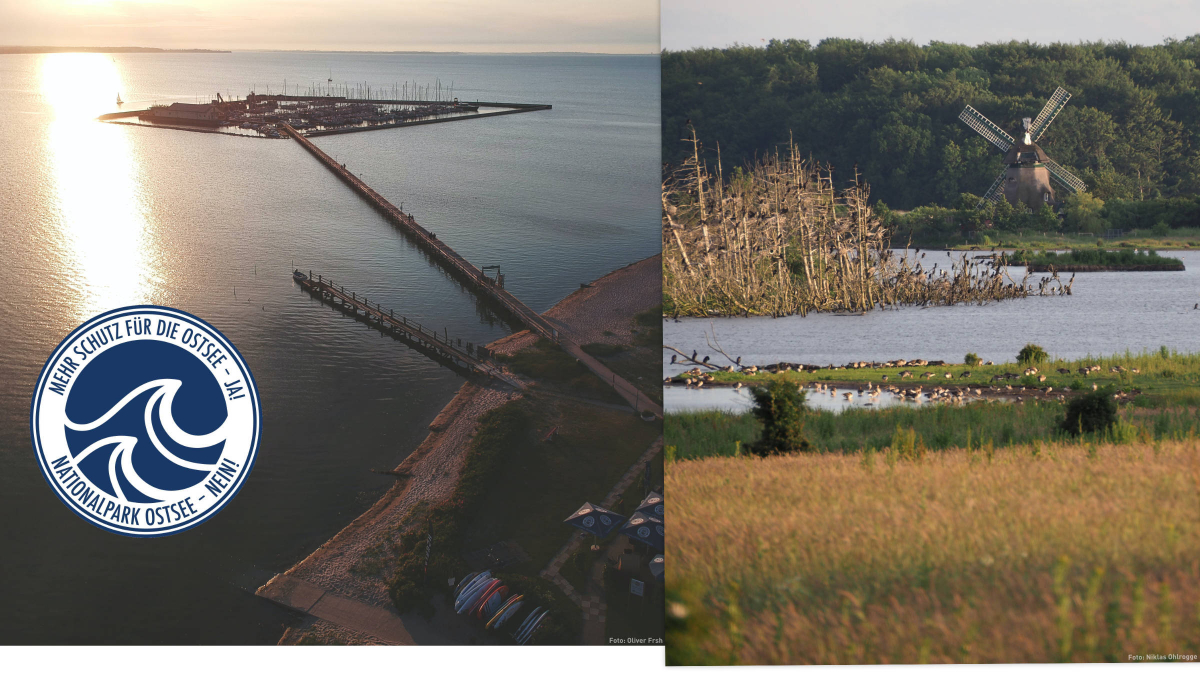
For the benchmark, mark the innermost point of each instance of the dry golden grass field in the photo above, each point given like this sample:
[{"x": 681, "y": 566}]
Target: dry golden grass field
[{"x": 1033, "y": 553}]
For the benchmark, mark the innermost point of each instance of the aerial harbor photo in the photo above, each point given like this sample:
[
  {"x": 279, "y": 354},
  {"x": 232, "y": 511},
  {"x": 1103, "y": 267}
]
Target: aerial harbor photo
[
  {"x": 452, "y": 329},
  {"x": 931, "y": 354}
]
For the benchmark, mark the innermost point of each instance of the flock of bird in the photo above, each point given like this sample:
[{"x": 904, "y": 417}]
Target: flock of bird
[{"x": 697, "y": 378}]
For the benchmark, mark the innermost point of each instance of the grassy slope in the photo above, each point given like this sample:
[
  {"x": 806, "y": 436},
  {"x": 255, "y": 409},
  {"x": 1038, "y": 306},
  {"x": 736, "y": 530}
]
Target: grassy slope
[
  {"x": 540, "y": 483},
  {"x": 1078, "y": 553},
  {"x": 641, "y": 363},
  {"x": 547, "y": 362}
]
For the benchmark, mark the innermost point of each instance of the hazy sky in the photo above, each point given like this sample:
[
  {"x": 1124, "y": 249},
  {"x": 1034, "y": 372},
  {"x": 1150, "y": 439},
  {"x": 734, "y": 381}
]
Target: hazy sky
[
  {"x": 719, "y": 23},
  {"x": 616, "y": 26}
]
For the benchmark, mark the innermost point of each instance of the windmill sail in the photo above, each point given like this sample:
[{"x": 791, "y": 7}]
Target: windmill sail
[
  {"x": 995, "y": 192},
  {"x": 986, "y": 128},
  {"x": 1059, "y": 173},
  {"x": 1056, "y": 103}
]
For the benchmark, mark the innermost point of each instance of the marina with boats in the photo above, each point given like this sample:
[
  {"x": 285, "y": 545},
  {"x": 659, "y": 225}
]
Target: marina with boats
[{"x": 264, "y": 115}]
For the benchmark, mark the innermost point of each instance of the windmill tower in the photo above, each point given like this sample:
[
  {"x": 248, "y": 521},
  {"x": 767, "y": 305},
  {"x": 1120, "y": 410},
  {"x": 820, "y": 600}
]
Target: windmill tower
[{"x": 1029, "y": 171}]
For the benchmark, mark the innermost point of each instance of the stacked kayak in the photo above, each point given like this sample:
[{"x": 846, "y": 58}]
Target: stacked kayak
[
  {"x": 532, "y": 623},
  {"x": 470, "y": 593},
  {"x": 508, "y": 610},
  {"x": 486, "y": 598}
]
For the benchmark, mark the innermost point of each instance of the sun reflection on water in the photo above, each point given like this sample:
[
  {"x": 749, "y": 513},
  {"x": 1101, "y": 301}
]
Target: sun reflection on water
[{"x": 103, "y": 208}]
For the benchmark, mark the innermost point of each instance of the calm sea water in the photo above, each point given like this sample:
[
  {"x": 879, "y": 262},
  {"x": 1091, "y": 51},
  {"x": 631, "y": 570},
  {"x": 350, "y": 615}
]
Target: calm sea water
[
  {"x": 1108, "y": 313},
  {"x": 96, "y": 216}
]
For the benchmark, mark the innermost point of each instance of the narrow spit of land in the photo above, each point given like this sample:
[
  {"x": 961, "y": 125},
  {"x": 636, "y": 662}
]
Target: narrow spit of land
[
  {"x": 348, "y": 607},
  {"x": 1093, "y": 259},
  {"x": 1163, "y": 373},
  {"x": 49, "y": 49}
]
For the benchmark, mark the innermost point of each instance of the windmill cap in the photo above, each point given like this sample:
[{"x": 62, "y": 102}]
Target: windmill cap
[{"x": 1013, "y": 157}]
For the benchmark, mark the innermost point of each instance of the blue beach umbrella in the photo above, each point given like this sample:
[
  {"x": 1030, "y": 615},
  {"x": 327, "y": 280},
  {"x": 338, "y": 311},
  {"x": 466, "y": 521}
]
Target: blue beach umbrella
[
  {"x": 658, "y": 567},
  {"x": 645, "y": 528},
  {"x": 595, "y": 520},
  {"x": 652, "y": 505}
]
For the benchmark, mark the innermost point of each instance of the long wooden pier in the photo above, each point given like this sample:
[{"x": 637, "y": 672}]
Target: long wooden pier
[
  {"x": 484, "y": 285},
  {"x": 473, "y": 358},
  {"x": 444, "y": 254}
]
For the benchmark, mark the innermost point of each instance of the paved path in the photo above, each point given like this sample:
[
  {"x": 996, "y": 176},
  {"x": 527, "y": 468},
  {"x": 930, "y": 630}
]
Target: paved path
[
  {"x": 627, "y": 391},
  {"x": 305, "y": 597},
  {"x": 594, "y": 608}
]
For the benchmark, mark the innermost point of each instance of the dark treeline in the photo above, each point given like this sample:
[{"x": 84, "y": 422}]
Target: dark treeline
[{"x": 1131, "y": 129}]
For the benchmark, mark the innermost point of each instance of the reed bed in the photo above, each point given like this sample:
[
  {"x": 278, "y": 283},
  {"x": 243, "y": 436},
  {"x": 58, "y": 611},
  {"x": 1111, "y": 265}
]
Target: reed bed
[
  {"x": 777, "y": 238},
  {"x": 1032, "y": 554}
]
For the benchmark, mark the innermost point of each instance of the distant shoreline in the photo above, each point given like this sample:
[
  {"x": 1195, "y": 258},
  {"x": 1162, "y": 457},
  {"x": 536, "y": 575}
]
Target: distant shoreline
[
  {"x": 45, "y": 49},
  {"x": 41, "y": 49}
]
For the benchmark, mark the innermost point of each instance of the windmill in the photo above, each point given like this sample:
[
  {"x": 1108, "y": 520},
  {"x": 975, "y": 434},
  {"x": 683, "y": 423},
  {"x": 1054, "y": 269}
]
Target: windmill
[{"x": 1026, "y": 178}]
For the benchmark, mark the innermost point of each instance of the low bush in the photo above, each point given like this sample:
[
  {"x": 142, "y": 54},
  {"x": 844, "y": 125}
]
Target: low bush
[
  {"x": 1032, "y": 353},
  {"x": 1092, "y": 412},
  {"x": 780, "y": 408}
]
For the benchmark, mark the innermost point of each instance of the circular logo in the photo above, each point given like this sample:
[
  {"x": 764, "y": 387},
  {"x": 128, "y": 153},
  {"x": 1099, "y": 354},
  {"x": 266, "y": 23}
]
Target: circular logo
[
  {"x": 589, "y": 521},
  {"x": 643, "y": 532},
  {"x": 145, "y": 421},
  {"x": 605, "y": 520},
  {"x": 658, "y": 509}
]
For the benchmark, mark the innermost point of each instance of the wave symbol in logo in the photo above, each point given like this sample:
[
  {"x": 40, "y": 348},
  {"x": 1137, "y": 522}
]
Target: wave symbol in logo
[
  {"x": 122, "y": 447},
  {"x": 146, "y": 421}
]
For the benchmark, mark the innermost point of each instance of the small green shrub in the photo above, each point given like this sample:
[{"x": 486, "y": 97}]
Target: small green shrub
[
  {"x": 780, "y": 408},
  {"x": 1092, "y": 412},
  {"x": 1160, "y": 229},
  {"x": 907, "y": 445},
  {"x": 1032, "y": 353},
  {"x": 973, "y": 359}
]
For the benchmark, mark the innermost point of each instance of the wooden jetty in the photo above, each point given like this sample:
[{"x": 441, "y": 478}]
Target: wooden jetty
[
  {"x": 430, "y": 121},
  {"x": 442, "y": 253},
  {"x": 485, "y": 286},
  {"x": 473, "y": 359}
]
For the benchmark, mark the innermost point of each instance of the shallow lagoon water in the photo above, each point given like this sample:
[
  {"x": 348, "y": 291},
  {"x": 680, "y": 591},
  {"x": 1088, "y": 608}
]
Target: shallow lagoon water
[{"x": 1108, "y": 313}]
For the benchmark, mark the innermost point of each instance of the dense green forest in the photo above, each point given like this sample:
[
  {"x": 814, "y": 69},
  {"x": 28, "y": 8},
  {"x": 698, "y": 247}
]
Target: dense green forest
[{"x": 1131, "y": 129}]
